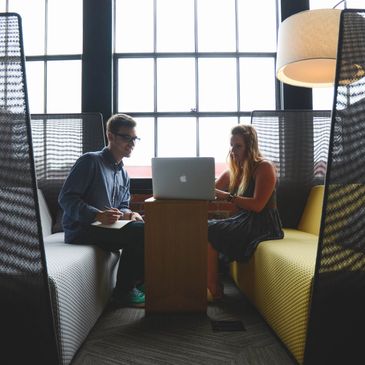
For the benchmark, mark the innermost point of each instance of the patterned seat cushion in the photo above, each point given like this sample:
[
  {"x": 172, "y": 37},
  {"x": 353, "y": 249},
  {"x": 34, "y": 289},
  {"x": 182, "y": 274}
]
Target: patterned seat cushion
[{"x": 81, "y": 279}]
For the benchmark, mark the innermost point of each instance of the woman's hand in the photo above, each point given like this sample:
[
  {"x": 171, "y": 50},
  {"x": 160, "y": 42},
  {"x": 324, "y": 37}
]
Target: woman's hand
[{"x": 221, "y": 195}]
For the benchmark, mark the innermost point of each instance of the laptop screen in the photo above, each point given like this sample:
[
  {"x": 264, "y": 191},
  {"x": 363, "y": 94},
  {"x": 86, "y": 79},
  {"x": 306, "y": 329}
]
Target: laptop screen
[{"x": 183, "y": 178}]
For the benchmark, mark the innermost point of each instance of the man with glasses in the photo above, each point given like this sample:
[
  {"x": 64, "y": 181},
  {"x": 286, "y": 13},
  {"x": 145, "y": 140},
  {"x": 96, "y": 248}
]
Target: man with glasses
[{"x": 97, "y": 189}]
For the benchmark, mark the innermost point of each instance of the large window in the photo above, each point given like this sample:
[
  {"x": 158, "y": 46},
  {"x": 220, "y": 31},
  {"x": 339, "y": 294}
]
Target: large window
[
  {"x": 52, "y": 32},
  {"x": 189, "y": 70}
]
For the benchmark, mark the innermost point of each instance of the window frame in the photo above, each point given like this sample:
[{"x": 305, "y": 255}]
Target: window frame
[
  {"x": 195, "y": 112},
  {"x": 46, "y": 58},
  {"x": 97, "y": 53}
]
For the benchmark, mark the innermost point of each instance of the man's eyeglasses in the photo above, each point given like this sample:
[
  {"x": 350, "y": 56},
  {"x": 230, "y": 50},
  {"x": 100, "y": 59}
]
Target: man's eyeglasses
[{"x": 127, "y": 137}]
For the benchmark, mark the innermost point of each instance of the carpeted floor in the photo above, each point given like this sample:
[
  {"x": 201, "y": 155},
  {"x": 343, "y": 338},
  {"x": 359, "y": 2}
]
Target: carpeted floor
[{"x": 127, "y": 336}]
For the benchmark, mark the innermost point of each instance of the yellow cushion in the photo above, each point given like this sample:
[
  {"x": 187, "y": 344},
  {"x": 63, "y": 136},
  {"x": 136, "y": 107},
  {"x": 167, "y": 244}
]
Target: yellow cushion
[
  {"x": 310, "y": 221},
  {"x": 284, "y": 273},
  {"x": 244, "y": 277},
  {"x": 278, "y": 280}
]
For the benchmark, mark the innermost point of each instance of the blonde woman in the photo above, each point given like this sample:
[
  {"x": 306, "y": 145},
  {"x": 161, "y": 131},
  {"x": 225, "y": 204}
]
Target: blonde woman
[{"x": 248, "y": 184}]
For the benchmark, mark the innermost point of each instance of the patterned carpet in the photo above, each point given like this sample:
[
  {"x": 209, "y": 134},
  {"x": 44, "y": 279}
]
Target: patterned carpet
[{"x": 127, "y": 336}]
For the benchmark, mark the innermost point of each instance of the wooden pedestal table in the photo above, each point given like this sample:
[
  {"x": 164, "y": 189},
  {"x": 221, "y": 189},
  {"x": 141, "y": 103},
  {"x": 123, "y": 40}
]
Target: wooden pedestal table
[{"x": 176, "y": 239}]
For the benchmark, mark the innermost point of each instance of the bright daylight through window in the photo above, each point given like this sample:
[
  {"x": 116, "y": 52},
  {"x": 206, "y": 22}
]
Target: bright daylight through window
[
  {"x": 53, "y": 51},
  {"x": 188, "y": 70}
]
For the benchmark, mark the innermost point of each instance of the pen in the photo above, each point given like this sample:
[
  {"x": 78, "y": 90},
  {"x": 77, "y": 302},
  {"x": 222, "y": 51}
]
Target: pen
[{"x": 121, "y": 213}]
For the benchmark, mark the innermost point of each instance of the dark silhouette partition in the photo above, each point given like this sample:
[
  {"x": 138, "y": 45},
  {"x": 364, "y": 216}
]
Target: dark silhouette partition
[
  {"x": 297, "y": 142},
  {"x": 26, "y": 318},
  {"x": 337, "y": 313}
]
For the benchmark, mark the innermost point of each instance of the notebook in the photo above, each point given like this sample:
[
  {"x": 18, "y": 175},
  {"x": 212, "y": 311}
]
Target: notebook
[
  {"x": 116, "y": 225},
  {"x": 183, "y": 178}
]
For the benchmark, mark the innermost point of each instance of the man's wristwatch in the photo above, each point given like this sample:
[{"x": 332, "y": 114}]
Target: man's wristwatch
[{"x": 230, "y": 197}]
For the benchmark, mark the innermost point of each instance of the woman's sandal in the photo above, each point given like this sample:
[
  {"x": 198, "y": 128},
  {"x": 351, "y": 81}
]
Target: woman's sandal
[{"x": 219, "y": 296}]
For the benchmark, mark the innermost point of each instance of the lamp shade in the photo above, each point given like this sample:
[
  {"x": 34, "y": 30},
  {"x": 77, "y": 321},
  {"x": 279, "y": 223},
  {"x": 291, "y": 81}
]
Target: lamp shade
[{"x": 307, "y": 48}]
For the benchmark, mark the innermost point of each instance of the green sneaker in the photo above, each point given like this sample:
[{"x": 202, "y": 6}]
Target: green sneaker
[
  {"x": 140, "y": 287},
  {"x": 134, "y": 298}
]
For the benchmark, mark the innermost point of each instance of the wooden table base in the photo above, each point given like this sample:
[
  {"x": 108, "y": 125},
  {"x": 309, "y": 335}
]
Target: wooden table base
[{"x": 176, "y": 239}]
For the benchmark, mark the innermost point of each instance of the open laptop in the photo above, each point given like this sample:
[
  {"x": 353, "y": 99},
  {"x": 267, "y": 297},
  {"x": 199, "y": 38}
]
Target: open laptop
[{"x": 183, "y": 178}]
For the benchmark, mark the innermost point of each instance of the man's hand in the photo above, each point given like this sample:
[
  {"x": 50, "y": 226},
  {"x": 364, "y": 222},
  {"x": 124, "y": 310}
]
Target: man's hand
[
  {"x": 109, "y": 216},
  {"x": 133, "y": 216}
]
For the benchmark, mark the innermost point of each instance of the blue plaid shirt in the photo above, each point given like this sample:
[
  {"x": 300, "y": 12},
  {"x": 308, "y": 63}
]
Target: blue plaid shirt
[{"x": 95, "y": 181}]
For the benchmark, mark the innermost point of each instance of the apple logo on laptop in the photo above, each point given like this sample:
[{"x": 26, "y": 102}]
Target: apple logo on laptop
[{"x": 183, "y": 179}]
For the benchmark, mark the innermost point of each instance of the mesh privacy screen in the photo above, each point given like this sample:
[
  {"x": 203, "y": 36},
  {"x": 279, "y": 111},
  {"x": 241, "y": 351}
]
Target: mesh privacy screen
[
  {"x": 27, "y": 327},
  {"x": 58, "y": 141},
  {"x": 297, "y": 142},
  {"x": 337, "y": 313}
]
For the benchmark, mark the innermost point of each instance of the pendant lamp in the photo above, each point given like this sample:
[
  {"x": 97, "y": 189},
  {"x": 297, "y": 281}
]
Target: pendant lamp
[{"x": 307, "y": 48}]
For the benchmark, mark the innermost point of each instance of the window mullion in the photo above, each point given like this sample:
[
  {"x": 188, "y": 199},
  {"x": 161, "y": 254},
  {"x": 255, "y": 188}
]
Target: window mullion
[
  {"x": 45, "y": 96},
  {"x": 196, "y": 75},
  {"x": 238, "y": 79},
  {"x": 155, "y": 76}
]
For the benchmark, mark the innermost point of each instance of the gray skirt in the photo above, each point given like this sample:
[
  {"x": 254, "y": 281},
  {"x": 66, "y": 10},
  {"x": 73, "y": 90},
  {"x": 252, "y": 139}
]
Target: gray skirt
[{"x": 237, "y": 237}]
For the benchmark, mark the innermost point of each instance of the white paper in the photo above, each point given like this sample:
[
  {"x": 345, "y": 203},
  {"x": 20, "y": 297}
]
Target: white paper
[{"x": 117, "y": 225}]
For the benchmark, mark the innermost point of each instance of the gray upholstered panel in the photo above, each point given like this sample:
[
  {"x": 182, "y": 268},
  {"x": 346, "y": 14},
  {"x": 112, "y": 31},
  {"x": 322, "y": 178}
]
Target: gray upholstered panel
[{"x": 81, "y": 279}]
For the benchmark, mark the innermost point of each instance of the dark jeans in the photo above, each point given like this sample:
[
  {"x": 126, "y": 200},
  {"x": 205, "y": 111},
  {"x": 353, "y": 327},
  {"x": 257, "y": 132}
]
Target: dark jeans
[{"x": 131, "y": 240}]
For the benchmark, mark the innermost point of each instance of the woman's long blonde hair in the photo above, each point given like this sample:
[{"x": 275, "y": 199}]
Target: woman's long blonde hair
[{"x": 239, "y": 176}]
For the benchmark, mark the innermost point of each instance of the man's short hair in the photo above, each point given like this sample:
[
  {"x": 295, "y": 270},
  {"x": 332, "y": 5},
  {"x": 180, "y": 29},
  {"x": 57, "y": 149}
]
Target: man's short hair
[{"x": 119, "y": 120}]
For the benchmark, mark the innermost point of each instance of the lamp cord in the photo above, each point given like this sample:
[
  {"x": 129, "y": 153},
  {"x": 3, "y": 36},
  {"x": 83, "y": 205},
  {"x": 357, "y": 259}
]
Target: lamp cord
[{"x": 340, "y": 3}]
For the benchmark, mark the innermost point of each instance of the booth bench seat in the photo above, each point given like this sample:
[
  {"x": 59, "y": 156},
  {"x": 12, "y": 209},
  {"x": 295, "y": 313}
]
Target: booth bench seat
[
  {"x": 81, "y": 280},
  {"x": 278, "y": 278}
]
